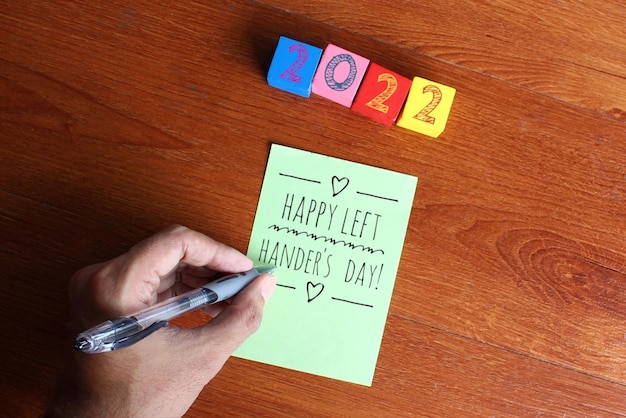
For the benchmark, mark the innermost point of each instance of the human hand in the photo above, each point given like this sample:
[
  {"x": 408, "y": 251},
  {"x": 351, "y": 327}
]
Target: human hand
[{"x": 163, "y": 374}]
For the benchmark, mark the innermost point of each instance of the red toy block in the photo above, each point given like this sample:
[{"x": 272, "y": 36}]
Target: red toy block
[{"x": 381, "y": 95}]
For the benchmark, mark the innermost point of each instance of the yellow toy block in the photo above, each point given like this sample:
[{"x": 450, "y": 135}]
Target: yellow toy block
[{"x": 427, "y": 107}]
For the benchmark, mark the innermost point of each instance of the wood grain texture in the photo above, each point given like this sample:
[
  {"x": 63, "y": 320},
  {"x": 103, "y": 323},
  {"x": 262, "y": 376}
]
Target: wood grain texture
[
  {"x": 118, "y": 119},
  {"x": 570, "y": 51}
]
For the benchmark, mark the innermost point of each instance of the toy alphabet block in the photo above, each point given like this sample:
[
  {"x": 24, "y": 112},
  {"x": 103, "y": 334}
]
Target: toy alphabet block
[
  {"x": 339, "y": 75},
  {"x": 293, "y": 66},
  {"x": 427, "y": 107},
  {"x": 381, "y": 95}
]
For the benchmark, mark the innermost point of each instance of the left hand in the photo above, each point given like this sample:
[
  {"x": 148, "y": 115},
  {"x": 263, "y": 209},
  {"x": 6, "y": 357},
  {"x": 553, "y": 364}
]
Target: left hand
[{"x": 163, "y": 374}]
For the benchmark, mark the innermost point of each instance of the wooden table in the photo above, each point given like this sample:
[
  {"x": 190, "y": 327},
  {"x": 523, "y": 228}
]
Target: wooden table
[{"x": 120, "y": 118}]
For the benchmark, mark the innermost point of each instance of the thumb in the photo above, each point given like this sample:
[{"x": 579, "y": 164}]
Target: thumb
[{"x": 240, "y": 319}]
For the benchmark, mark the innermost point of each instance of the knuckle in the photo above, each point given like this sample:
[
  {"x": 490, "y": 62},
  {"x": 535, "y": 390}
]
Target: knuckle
[
  {"x": 175, "y": 227},
  {"x": 176, "y": 230},
  {"x": 250, "y": 318}
]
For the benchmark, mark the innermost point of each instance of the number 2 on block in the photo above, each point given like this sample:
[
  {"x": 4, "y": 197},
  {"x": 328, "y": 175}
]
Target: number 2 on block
[
  {"x": 427, "y": 107},
  {"x": 423, "y": 114},
  {"x": 290, "y": 73},
  {"x": 378, "y": 102}
]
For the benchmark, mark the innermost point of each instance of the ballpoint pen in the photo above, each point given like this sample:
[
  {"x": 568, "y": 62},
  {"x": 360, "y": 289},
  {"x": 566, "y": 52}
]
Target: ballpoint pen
[{"x": 125, "y": 331}]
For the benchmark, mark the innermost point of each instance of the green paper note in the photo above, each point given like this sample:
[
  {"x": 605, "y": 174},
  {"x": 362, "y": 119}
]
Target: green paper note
[{"x": 335, "y": 230}]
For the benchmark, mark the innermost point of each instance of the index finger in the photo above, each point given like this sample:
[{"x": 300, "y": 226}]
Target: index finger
[{"x": 157, "y": 257}]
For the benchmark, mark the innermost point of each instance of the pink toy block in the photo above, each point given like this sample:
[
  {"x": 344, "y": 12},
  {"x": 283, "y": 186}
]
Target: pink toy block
[{"x": 339, "y": 75}]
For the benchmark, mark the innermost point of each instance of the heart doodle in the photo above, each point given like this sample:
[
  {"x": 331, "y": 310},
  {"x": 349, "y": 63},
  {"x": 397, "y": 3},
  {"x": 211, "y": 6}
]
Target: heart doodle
[
  {"x": 339, "y": 185},
  {"x": 313, "y": 290}
]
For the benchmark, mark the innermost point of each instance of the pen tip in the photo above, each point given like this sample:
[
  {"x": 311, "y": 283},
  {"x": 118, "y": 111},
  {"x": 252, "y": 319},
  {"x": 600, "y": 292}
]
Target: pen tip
[
  {"x": 81, "y": 344},
  {"x": 266, "y": 269}
]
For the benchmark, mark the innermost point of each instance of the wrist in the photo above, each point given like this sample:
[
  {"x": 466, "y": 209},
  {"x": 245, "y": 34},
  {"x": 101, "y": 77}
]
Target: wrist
[{"x": 82, "y": 390}]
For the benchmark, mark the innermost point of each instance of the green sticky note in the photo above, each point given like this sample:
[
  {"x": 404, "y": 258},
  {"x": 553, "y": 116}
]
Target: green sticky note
[{"x": 335, "y": 230}]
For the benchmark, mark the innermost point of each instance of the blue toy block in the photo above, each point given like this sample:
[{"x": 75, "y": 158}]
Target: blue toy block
[{"x": 293, "y": 66}]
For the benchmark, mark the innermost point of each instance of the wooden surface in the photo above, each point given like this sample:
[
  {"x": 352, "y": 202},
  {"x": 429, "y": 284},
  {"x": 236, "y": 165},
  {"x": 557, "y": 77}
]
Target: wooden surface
[{"x": 120, "y": 118}]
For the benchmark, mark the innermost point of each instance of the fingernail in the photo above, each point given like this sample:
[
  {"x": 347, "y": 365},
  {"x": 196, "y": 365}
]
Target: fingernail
[{"x": 269, "y": 285}]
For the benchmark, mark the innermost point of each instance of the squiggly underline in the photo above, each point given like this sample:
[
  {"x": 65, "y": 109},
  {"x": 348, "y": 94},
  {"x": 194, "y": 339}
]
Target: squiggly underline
[{"x": 324, "y": 238}]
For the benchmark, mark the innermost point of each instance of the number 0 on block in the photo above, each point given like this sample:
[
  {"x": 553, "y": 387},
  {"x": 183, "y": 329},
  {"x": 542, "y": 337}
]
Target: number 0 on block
[
  {"x": 339, "y": 75},
  {"x": 427, "y": 107}
]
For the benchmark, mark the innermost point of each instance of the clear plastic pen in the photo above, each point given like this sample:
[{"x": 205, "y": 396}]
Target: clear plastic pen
[{"x": 125, "y": 331}]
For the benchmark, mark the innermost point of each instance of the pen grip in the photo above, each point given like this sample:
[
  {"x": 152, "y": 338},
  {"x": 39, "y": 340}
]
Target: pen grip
[{"x": 229, "y": 286}]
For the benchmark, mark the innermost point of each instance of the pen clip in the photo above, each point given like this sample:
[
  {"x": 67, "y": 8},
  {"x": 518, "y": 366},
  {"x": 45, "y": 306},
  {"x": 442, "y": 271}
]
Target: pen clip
[{"x": 138, "y": 336}]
